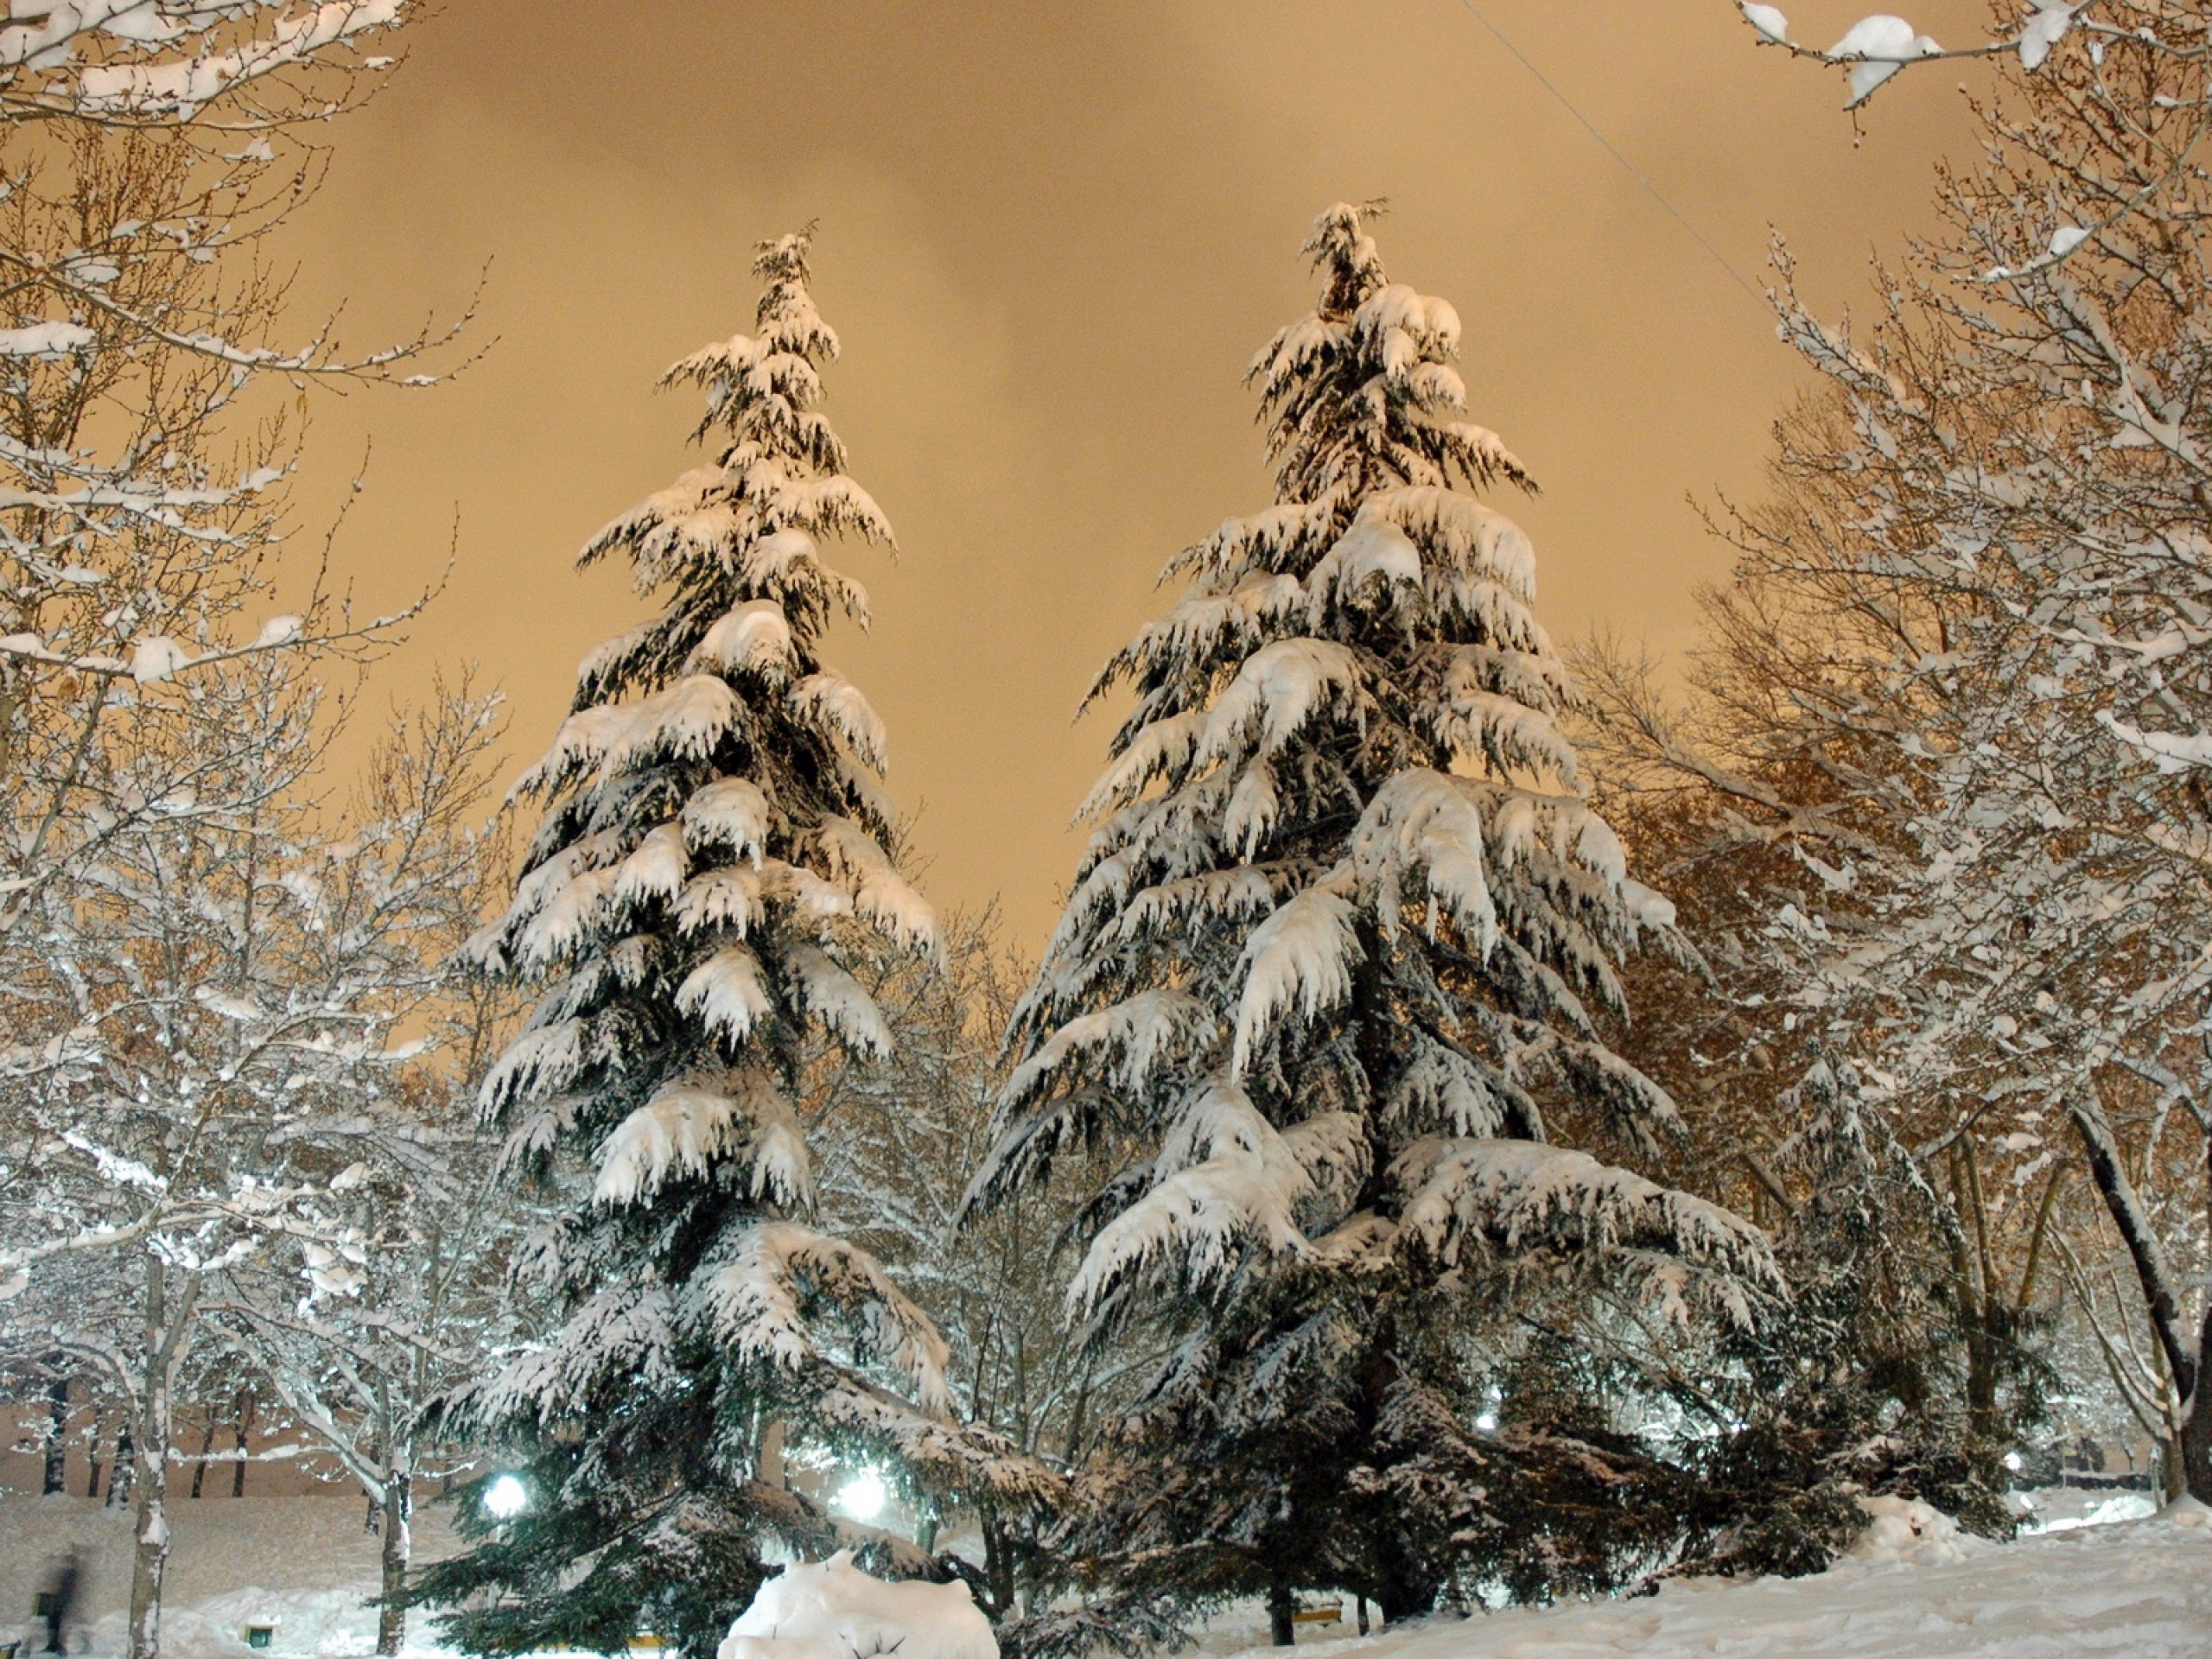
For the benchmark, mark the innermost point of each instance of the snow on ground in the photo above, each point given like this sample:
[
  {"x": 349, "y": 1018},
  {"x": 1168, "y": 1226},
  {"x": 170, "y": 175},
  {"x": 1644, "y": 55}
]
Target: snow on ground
[
  {"x": 2057, "y": 1508},
  {"x": 307, "y": 1563},
  {"x": 330, "y": 1624},
  {"x": 2135, "y": 1590},
  {"x": 1917, "y": 1589}
]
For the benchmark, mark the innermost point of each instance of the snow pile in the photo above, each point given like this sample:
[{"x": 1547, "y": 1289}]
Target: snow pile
[
  {"x": 2060, "y": 1509},
  {"x": 831, "y": 1610},
  {"x": 2137, "y": 1590},
  {"x": 1904, "y": 1531}
]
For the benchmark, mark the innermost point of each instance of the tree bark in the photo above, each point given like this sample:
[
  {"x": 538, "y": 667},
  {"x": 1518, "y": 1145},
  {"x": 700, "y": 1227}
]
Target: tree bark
[
  {"x": 206, "y": 1445},
  {"x": 169, "y": 1324},
  {"x": 1282, "y": 1625},
  {"x": 399, "y": 1549},
  {"x": 245, "y": 1418},
  {"x": 998, "y": 1560},
  {"x": 2196, "y": 1446},
  {"x": 1404, "y": 1591},
  {"x": 150, "y": 1550},
  {"x": 770, "y": 1458},
  {"x": 2183, "y": 1359},
  {"x": 55, "y": 1477},
  {"x": 1978, "y": 1298},
  {"x": 2150, "y": 1270},
  {"x": 119, "y": 1478}
]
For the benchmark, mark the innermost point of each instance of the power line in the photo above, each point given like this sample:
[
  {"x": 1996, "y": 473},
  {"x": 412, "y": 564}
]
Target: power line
[{"x": 1607, "y": 144}]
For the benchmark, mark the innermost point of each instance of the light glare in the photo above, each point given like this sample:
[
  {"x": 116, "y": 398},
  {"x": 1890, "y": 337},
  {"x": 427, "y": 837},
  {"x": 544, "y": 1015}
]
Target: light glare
[
  {"x": 863, "y": 1498},
  {"x": 506, "y": 1497}
]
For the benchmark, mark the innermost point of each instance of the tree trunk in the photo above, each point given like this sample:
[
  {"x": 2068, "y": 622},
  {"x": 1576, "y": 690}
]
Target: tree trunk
[
  {"x": 398, "y": 1548},
  {"x": 1406, "y": 1592},
  {"x": 1282, "y": 1625},
  {"x": 151, "y": 1551},
  {"x": 2155, "y": 1276},
  {"x": 770, "y": 1458},
  {"x": 1970, "y": 1273},
  {"x": 92, "y": 1463},
  {"x": 2196, "y": 1446},
  {"x": 206, "y": 1445},
  {"x": 169, "y": 1324},
  {"x": 998, "y": 1560},
  {"x": 57, "y": 1476},
  {"x": 2151, "y": 1272},
  {"x": 118, "y": 1482},
  {"x": 245, "y": 1419},
  {"x": 1404, "y": 1589}
]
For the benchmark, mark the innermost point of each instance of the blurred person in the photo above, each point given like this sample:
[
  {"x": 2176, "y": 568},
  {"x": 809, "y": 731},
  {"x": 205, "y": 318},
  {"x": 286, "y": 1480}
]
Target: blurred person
[{"x": 65, "y": 1591}]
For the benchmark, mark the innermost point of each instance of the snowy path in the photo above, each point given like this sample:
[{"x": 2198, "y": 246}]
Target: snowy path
[{"x": 2139, "y": 1591}]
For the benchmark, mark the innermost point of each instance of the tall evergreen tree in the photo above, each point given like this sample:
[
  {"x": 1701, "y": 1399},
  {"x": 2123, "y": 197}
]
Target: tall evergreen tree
[
  {"x": 1339, "y": 959},
  {"x": 714, "y": 840}
]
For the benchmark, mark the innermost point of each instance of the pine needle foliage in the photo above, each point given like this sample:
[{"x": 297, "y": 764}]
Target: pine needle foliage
[
  {"x": 1345, "y": 937},
  {"x": 715, "y": 856}
]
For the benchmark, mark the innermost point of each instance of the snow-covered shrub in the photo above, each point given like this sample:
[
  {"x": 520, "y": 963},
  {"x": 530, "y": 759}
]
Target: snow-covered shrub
[
  {"x": 1909, "y": 1533},
  {"x": 831, "y": 1610}
]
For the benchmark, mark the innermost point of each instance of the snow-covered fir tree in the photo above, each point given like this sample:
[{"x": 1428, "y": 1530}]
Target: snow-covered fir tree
[
  {"x": 1339, "y": 960},
  {"x": 715, "y": 838}
]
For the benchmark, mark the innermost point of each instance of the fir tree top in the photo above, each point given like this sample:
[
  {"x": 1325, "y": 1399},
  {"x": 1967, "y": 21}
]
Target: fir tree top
[{"x": 1361, "y": 394}]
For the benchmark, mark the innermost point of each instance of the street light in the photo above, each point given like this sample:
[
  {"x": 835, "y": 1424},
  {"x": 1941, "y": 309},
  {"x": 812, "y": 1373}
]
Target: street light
[
  {"x": 863, "y": 1498},
  {"x": 506, "y": 1497}
]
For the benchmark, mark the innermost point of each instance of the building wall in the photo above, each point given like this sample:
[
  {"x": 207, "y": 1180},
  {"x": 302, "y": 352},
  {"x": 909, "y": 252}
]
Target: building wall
[{"x": 280, "y": 1462}]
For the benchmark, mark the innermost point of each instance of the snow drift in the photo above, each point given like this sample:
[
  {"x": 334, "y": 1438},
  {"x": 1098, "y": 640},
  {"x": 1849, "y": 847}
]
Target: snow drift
[{"x": 831, "y": 1610}]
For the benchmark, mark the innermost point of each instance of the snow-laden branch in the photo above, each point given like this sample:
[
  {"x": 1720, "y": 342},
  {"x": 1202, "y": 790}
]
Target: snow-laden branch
[
  {"x": 145, "y": 63},
  {"x": 1877, "y": 47}
]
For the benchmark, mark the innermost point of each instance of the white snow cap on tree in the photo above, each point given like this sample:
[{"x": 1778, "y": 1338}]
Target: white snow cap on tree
[
  {"x": 1876, "y": 48},
  {"x": 1345, "y": 916}
]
